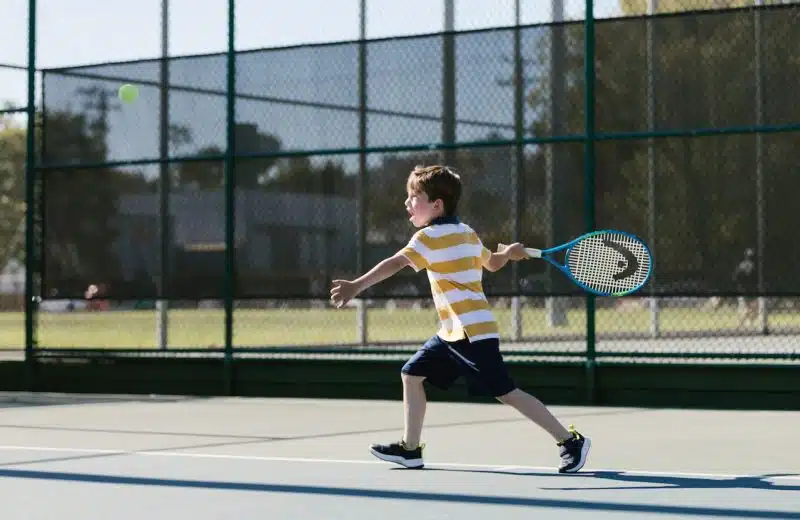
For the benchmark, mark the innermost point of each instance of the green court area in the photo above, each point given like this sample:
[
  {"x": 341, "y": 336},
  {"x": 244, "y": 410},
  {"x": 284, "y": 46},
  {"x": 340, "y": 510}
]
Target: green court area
[{"x": 292, "y": 327}]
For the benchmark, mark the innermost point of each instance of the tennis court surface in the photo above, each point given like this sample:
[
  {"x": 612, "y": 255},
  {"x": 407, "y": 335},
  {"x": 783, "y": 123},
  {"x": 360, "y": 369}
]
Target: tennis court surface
[{"x": 121, "y": 458}]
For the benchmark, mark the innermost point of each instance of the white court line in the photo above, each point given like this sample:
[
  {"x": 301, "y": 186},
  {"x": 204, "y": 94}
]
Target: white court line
[{"x": 494, "y": 467}]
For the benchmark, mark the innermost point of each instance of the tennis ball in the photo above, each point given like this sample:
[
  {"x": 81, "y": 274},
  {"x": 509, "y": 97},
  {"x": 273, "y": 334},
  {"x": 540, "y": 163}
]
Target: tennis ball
[{"x": 128, "y": 93}]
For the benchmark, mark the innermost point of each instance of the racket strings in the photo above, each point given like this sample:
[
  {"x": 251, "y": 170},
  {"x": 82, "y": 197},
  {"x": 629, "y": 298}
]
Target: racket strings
[{"x": 595, "y": 264}]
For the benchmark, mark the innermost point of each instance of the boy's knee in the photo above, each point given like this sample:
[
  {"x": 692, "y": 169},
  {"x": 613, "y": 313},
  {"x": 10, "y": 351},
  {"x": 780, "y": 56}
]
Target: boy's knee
[
  {"x": 408, "y": 379},
  {"x": 508, "y": 398}
]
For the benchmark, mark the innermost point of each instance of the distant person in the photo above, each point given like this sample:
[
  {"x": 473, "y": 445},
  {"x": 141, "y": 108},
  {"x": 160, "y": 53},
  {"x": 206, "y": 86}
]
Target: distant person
[
  {"x": 745, "y": 279},
  {"x": 468, "y": 340},
  {"x": 95, "y": 295}
]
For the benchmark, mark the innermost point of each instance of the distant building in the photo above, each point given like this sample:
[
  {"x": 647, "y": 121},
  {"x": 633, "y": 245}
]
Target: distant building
[{"x": 289, "y": 236}]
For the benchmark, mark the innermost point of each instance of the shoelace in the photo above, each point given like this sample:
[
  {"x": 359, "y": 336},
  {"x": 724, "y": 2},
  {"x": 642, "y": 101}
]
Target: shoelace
[
  {"x": 573, "y": 435},
  {"x": 405, "y": 446}
]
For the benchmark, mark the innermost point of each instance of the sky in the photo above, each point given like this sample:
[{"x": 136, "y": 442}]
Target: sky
[
  {"x": 81, "y": 32},
  {"x": 96, "y": 31}
]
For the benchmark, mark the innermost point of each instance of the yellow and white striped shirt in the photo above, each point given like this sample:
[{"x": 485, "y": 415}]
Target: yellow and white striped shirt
[{"x": 453, "y": 256}]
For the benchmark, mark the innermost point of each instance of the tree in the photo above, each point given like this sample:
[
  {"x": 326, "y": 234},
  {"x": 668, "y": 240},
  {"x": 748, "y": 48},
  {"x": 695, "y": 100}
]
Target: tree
[
  {"x": 203, "y": 175},
  {"x": 299, "y": 174},
  {"x": 12, "y": 191},
  {"x": 80, "y": 207},
  {"x": 251, "y": 173},
  {"x": 639, "y": 7},
  {"x": 705, "y": 77}
]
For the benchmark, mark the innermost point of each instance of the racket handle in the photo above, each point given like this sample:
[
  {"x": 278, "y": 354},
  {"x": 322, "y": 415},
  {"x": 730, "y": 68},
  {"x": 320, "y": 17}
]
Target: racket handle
[{"x": 532, "y": 252}]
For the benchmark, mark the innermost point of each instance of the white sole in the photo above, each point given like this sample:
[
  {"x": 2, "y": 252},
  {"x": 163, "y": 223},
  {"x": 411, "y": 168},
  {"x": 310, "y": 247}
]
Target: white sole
[
  {"x": 408, "y": 463},
  {"x": 584, "y": 455}
]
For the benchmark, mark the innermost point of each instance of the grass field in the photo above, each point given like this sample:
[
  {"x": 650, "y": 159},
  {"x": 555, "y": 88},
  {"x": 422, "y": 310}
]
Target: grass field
[{"x": 275, "y": 327}]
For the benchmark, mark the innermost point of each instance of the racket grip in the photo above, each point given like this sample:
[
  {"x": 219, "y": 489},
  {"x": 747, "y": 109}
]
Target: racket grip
[{"x": 532, "y": 252}]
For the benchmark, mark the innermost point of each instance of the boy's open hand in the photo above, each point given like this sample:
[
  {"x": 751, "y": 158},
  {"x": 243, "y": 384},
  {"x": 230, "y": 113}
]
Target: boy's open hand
[
  {"x": 515, "y": 251},
  {"x": 342, "y": 292}
]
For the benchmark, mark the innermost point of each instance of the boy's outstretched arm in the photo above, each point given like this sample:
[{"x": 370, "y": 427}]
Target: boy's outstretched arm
[
  {"x": 345, "y": 290},
  {"x": 498, "y": 260}
]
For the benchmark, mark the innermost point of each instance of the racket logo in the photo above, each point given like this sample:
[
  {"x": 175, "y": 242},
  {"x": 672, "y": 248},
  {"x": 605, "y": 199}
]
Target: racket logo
[{"x": 630, "y": 264}]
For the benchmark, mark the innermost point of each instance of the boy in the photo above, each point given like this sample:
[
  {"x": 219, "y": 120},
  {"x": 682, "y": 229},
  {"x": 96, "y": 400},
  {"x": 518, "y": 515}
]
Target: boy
[{"x": 468, "y": 341}]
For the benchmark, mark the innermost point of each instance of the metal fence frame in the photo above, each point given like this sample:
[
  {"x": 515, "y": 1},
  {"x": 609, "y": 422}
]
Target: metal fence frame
[{"x": 588, "y": 138}]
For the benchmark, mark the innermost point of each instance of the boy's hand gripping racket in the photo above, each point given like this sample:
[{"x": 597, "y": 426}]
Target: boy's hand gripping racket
[{"x": 606, "y": 262}]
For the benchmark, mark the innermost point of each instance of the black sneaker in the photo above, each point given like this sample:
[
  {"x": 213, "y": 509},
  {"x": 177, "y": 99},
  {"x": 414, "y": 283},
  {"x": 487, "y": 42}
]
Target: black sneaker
[
  {"x": 399, "y": 454},
  {"x": 573, "y": 452}
]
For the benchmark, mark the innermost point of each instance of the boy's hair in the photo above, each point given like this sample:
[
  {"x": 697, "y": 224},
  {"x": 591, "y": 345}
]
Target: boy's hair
[{"x": 437, "y": 182}]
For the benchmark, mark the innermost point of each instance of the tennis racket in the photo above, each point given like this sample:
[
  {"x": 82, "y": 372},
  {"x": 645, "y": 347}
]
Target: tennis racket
[{"x": 605, "y": 262}]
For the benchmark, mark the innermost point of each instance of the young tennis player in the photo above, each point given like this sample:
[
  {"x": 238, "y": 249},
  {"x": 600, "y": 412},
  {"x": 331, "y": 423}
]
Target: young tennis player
[{"x": 468, "y": 340}]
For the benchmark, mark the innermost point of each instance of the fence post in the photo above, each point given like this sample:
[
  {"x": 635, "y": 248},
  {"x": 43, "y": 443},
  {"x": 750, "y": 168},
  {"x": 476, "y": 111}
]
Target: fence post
[
  {"x": 655, "y": 314},
  {"x": 517, "y": 172},
  {"x": 763, "y": 317},
  {"x": 162, "y": 303},
  {"x": 230, "y": 202},
  {"x": 30, "y": 198},
  {"x": 449, "y": 84},
  {"x": 556, "y": 306},
  {"x": 589, "y": 187},
  {"x": 362, "y": 327}
]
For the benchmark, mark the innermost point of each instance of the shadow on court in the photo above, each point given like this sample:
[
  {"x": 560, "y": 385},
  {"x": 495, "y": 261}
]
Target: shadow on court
[
  {"x": 753, "y": 482},
  {"x": 564, "y": 504}
]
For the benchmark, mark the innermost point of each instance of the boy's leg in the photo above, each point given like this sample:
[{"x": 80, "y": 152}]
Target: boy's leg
[
  {"x": 430, "y": 362},
  {"x": 415, "y": 403},
  {"x": 536, "y": 411},
  {"x": 487, "y": 368},
  {"x": 573, "y": 446}
]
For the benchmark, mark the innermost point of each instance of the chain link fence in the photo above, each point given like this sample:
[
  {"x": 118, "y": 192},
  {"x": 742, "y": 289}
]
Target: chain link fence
[
  {"x": 214, "y": 211},
  {"x": 13, "y": 124},
  {"x": 704, "y": 81}
]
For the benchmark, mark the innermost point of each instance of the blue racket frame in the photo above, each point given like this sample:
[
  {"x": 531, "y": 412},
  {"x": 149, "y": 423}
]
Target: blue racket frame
[{"x": 546, "y": 254}]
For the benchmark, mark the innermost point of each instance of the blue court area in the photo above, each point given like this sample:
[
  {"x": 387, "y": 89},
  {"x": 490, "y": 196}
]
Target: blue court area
[{"x": 103, "y": 457}]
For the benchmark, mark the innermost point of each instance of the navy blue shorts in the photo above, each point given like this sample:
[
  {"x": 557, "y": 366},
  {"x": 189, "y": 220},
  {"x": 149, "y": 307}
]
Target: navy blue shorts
[{"x": 442, "y": 363}]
